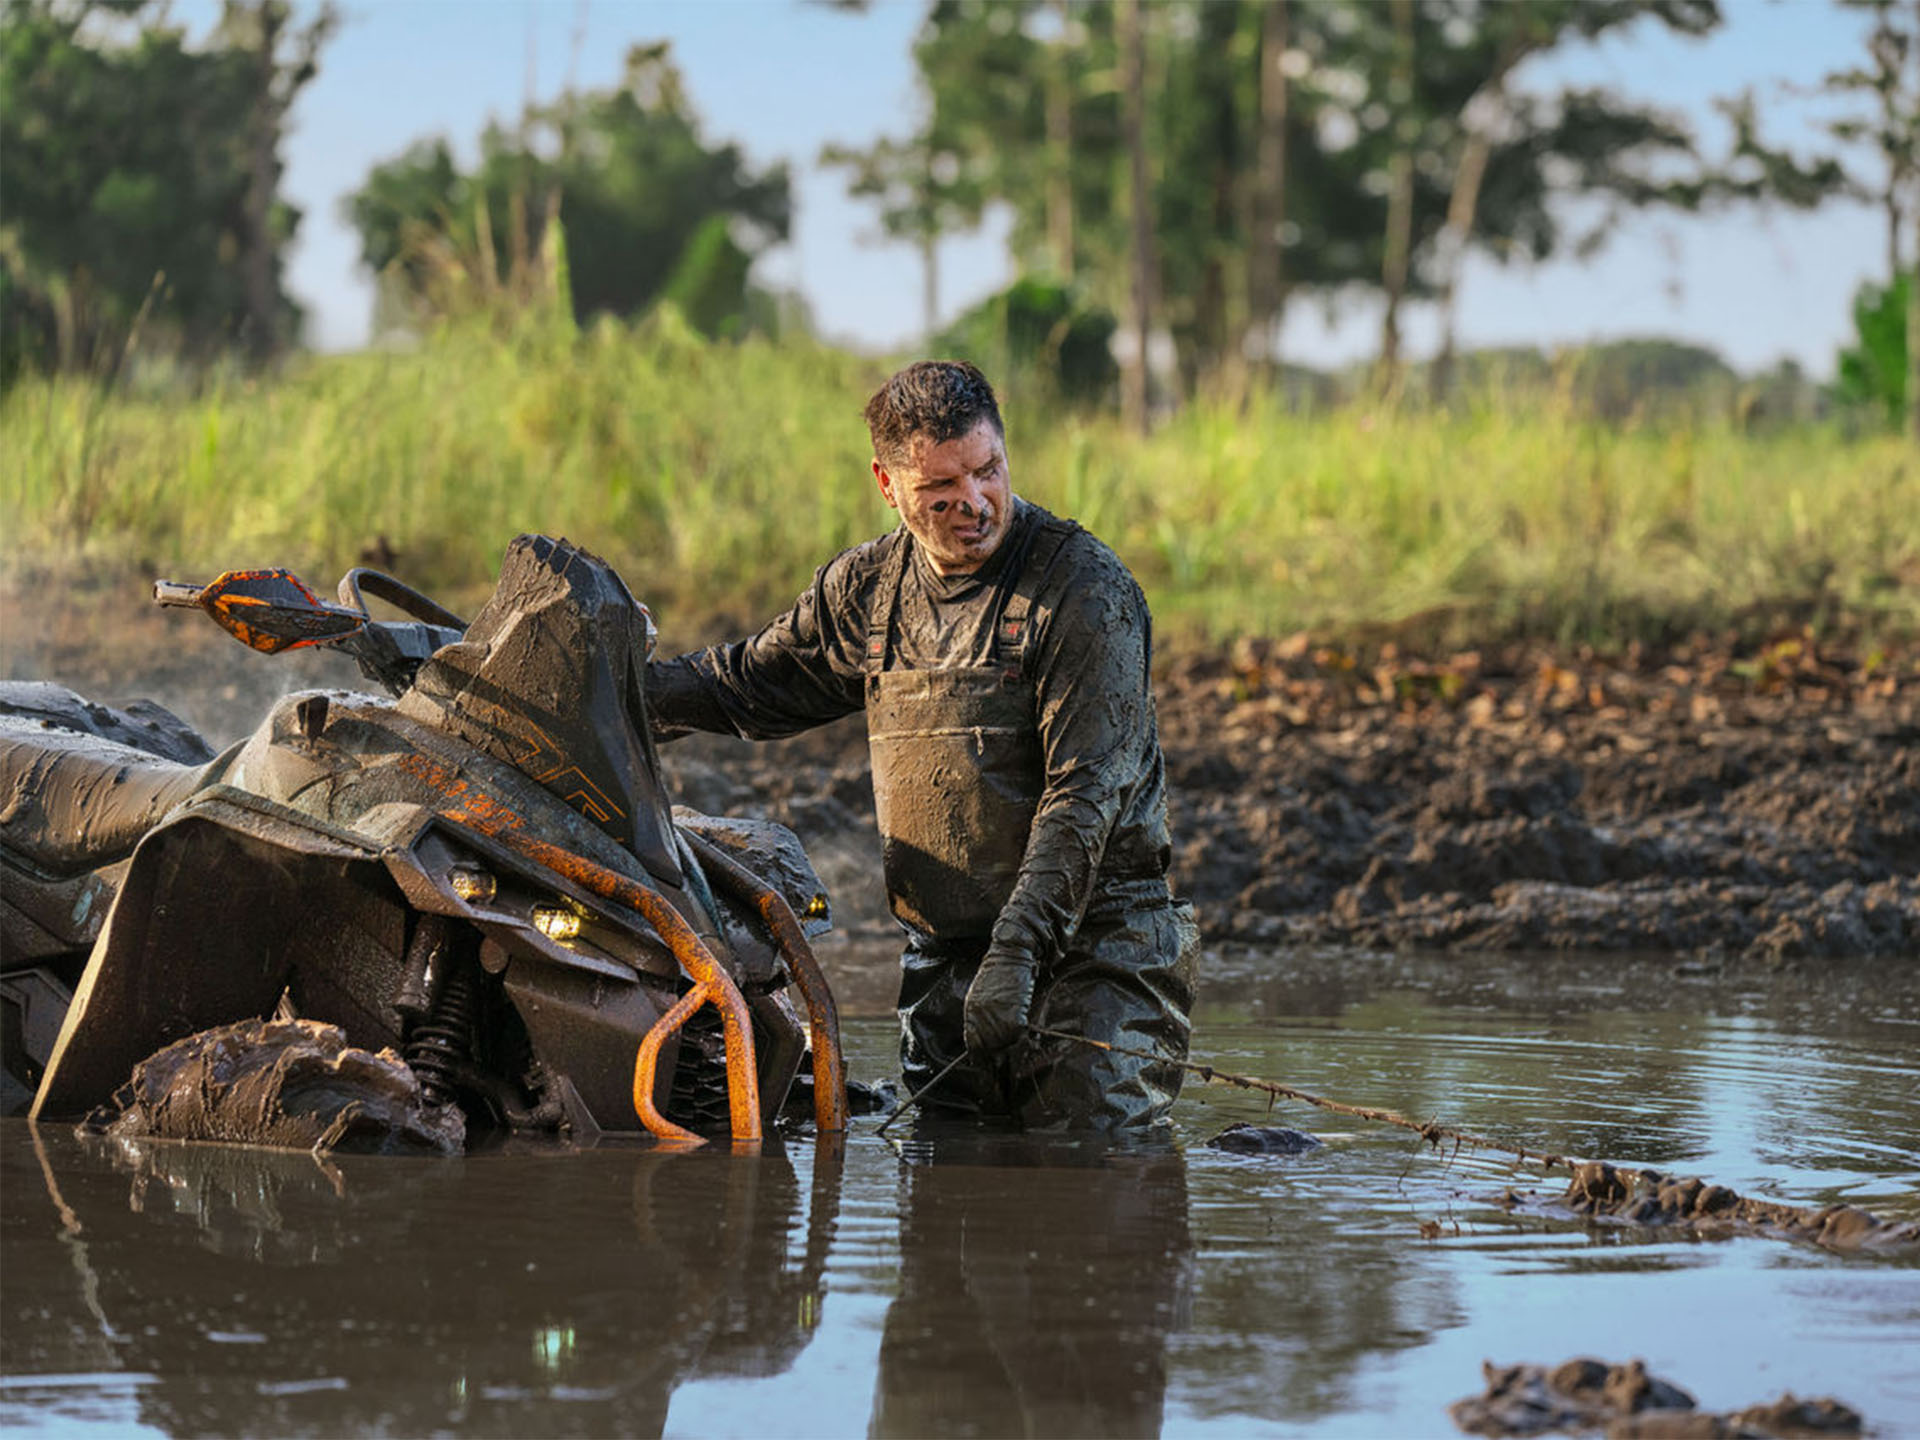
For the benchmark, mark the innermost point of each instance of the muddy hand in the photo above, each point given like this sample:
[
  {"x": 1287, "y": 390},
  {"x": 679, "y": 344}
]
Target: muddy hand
[{"x": 998, "y": 1002}]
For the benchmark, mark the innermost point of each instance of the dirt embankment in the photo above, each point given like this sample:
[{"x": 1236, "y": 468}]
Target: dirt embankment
[
  {"x": 1701, "y": 800},
  {"x": 1707, "y": 799},
  {"x": 1698, "y": 800}
]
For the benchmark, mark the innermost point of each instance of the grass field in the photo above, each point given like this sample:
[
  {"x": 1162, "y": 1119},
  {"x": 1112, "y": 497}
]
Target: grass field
[{"x": 717, "y": 476}]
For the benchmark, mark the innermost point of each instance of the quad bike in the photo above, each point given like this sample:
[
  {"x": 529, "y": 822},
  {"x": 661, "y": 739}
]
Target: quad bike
[{"x": 483, "y": 873}]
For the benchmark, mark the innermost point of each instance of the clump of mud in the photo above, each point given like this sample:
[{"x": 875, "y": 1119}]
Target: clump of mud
[
  {"x": 1626, "y": 1401},
  {"x": 1647, "y": 1197},
  {"x": 1241, "y": 1138},
  {"x": 287, "y": 1083}
]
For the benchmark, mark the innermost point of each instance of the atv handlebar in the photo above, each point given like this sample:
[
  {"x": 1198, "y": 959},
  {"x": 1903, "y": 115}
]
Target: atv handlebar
[
  {"x": 174, "y": 593},
  {"x": 274, "y": 610}
]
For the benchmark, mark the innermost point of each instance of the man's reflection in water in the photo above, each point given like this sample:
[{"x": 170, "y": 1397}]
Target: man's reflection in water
[
  {"x": 1039, "y": 1281},
  {"x": 253, "y": 1292}
]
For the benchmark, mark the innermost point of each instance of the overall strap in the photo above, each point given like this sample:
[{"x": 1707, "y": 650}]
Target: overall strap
[
  {"x": 886, "y": 600},
  {"x": 1027, "y": 578}
]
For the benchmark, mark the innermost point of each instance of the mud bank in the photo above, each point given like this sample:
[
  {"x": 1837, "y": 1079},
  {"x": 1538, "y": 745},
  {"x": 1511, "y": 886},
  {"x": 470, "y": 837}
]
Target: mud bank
[
  {"x": 1701, "y": 800},
  {"x": 1712, "y": 800}
]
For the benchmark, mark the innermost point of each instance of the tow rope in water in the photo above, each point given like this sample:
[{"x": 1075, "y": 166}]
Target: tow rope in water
[
  {"x": 1598, "y": 1187},
  {"x": 1431, "y": 1131},
  {"x": 915, "y": 1098}
]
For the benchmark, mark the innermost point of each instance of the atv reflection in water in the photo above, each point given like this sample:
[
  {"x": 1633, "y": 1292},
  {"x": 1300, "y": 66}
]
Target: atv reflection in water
[
  {"x": 484, "y": 874},
  {"x": 243, "y": 1291}
]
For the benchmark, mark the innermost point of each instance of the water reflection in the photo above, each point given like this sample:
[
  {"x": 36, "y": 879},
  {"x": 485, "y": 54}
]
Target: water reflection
[
  {"x": 965, "y": 1282},
  {"x": 1039, "y": 1283},
  {"x": 260, "y": 1292}
]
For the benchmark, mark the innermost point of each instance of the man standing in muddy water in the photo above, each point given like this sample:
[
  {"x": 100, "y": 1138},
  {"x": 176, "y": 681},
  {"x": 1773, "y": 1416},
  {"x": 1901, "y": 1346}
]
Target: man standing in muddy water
[{"x": 1001, "y": 657}]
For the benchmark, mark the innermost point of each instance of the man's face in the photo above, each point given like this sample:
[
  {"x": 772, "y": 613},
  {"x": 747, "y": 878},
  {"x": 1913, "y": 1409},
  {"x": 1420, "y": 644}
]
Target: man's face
[{"x": 955, "y": 498}]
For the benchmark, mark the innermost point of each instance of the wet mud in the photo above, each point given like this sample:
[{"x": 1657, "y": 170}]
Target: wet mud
[
  {"x": 283, "y": 1083},
  {"x": 1709, "y": 800},
  {"x": 1618, "y": 1194},
  {"x": 1586, "y": 1395},
  {"x": 1714, "y": 799},
  {"x": 1244, "y": 1139}
]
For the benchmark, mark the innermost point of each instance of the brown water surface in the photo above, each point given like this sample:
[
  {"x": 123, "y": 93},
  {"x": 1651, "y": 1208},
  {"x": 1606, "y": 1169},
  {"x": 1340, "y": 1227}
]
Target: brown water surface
[{"x": 942, "y": 1282}]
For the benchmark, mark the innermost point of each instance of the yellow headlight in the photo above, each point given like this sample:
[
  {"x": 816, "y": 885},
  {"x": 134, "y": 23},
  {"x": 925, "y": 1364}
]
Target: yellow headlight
[
  {"x": 473, "y": 885},
  {"x": 556, "y": 922}
]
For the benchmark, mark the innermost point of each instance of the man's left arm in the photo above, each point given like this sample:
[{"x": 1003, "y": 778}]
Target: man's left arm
[{"x": 1097, "y": 733}]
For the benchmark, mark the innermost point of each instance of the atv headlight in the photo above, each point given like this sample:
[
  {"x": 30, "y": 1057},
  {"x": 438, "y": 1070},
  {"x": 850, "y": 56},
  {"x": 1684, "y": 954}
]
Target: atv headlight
[
  {"x": 556, "y": 922},
  {"x": 472, "y": 884}
]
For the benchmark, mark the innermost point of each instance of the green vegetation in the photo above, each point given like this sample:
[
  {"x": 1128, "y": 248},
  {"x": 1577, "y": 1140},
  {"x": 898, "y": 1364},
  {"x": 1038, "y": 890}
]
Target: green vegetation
[
  {"x": 1874, "y": 369},
  {"x": 718, "y": 475},
  {"x": 650, "y": 210},
  {"x": 142, "y": 177}
]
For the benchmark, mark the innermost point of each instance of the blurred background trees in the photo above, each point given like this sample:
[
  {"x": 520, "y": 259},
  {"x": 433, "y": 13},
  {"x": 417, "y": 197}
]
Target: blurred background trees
[
  {"x": 141, "y": 179},
  {"x": 648, "y": 210},
  {"x": 1177, "y": 176}
]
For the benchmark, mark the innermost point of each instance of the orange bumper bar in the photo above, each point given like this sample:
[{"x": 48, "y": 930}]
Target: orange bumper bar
[
  {"x": 823, "y": 1017},
  {"x": 711, "y": 983}
]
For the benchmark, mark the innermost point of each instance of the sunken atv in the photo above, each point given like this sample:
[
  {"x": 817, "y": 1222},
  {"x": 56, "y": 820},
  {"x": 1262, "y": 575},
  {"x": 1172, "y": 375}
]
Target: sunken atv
[{"x": 482, "y": 875}]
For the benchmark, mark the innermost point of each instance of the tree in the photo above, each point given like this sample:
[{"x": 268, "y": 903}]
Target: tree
[
  {"x": 141, "y": 184},
  {"x": 1890, "y": 84},
  {"x": 1876, "y": 371},
  {"x": 627, "y": 173},
  {"x": 1509, "y": 158},
  {"x": 918, "y": 186},
  {"x": 1267, "y": 201},
  {"x": 1134, "y": 382},
  {"x": 1293, "y": 148},
  {"x": 1889, "y": 125},
  {"x": 261, "y": 30}
]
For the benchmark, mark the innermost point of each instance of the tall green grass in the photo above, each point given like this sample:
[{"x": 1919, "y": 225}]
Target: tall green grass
[{"x": 716, "y": 476}]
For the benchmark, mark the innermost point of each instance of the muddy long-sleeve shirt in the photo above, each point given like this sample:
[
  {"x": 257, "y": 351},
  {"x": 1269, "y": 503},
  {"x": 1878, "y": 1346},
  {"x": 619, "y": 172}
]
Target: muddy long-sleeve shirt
[{"x": 1099, "y": 838}]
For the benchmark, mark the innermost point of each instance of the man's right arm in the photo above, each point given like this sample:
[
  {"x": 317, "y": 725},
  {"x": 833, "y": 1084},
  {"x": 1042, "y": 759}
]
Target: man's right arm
[{"x": 804, "y": 669}]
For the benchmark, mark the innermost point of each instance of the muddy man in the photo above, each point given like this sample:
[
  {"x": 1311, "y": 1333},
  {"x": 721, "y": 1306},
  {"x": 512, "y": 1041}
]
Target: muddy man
[{"x": 1001, "y": 657}]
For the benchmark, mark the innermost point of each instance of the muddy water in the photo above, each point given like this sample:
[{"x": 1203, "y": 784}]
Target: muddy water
[{"x": 960, "y": 1283}]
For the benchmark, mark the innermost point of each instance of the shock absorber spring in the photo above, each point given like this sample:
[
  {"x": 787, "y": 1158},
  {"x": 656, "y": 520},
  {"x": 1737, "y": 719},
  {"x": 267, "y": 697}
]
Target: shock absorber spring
[{"x": 441, "y": 1044}]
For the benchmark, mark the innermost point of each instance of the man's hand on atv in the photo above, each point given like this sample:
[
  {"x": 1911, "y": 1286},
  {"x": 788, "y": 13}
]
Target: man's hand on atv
[{"x": 999, "y": 1001}]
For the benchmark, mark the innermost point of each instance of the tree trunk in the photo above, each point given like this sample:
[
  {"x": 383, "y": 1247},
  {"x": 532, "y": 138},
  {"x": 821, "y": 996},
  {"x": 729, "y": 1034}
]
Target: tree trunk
[
  {"x": 1264, "y": 262},
  {"x": 1463, "y": 205},
  {"x": 929, "y": 283},
  {"x": 1399, "y": 246},
  {"x": 1913, "y": 337},
  {"x": 1913, "y": 278},
  {"x": 1896, "y": 224},
  {"x": 1060, "y": 150},
  {"x": 263, "y": 310},
  {"x": 1134, "y": 384}
]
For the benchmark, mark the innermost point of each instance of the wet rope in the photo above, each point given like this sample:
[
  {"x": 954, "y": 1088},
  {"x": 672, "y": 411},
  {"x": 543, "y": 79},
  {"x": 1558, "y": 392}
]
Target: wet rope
[
  {"x": 920, "y": 1094},
  {"x": 1615, "y": 1189},
  {"x": 1431, "y": 1131}
]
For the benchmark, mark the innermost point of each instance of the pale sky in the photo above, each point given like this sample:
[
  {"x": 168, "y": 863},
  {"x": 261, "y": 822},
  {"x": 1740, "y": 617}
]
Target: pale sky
[{"x": 782, "y": 78}]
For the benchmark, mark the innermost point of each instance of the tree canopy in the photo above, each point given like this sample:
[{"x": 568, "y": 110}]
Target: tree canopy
[
  {"x": 648, "y": 207},
  {"x": 142, "y": 176},
  {"x": 1294, "y": 150}
]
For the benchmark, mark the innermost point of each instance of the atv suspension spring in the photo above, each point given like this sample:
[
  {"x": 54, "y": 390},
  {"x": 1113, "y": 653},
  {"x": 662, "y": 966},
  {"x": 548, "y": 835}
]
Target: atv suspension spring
[{"x": 442, "y": 1044}]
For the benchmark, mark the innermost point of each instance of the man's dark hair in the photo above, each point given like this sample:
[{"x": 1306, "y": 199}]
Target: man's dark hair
[{"x": 940, "y": 399}]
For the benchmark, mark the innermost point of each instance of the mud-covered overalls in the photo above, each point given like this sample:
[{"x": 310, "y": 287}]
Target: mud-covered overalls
[{"x": 959, "y": 769}]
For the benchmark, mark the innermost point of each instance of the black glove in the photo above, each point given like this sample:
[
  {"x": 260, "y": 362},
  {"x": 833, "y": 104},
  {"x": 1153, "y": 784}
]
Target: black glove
[{"x": 998, "y": 1002}]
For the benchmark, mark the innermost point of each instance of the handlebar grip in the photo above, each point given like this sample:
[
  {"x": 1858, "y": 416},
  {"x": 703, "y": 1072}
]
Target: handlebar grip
[{"x": 178, "y": 594}]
